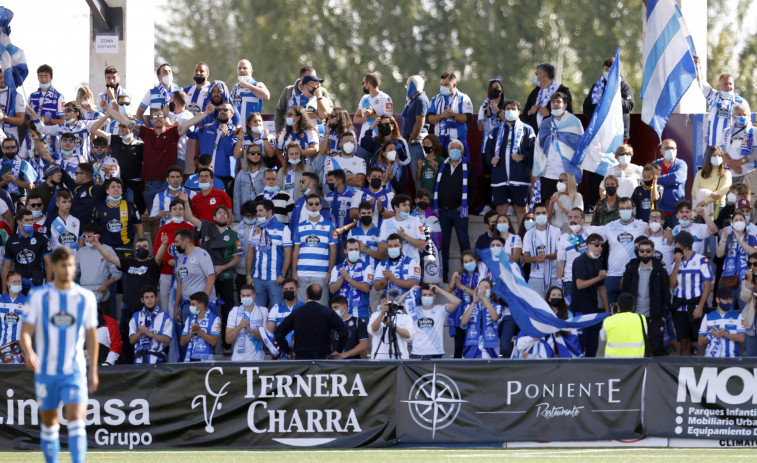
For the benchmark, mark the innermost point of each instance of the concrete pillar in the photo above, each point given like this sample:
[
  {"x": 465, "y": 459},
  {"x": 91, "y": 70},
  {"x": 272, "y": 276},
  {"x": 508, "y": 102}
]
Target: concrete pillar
[{"x": 136, "y": 51}]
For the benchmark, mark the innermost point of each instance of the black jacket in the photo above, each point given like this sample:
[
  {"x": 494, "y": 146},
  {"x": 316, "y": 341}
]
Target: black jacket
[
  {"x": 627, "y": 101},
  {"x": 312, "y": 324},
  {"x": 659, "y": 287},
  {"x": 531, "y": 119}
]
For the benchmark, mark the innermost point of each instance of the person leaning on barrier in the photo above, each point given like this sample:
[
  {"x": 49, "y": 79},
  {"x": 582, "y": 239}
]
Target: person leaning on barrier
[{"x": 625, "y": 331}]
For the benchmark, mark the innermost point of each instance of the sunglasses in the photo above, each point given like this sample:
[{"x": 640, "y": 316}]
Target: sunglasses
[
  {"x": 332, "y": 116},
  {"x": 69, "y": 110},
  {"x": 314, "y": 204},
  {"x": 752, "y": 264},
  {"x": 34, "y": 205},
  {"x": 645, "y": 251},
  {"x": 100, "y": 146},
  {"x": 224, "y": 110},
  {"x": 254, "y": 153},
  {"x": 124, "y": 103},
  {"x": 597, "y": 244}
]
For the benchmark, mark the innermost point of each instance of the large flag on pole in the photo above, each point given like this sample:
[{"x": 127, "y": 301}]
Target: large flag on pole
[
  {"x": 596, "y": 148},
  {"x": 12, "y": 58},
  {"x": 668, "y": 63},
  {"x": 530, "y": 311}
]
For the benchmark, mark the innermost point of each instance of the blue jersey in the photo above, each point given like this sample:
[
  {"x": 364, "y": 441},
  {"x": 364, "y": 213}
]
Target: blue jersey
[
  {"x": 61, "y": 319},
  {"x": 340, "y": 205},
  {"x": 269, "y": 260},
  {"x": 81, "y": 131},
  {"x": 404, "y": 268},
  {"x": 245, "y": 101},
  {"x": 732, "y": 322},
  {"x": 193, "y": 183},
  {"x": 198, "y": 348},
  {"x": 357, "y": 301},
  {"x": 11, "y": 316},
  {"x": 315, "y": 239},
  {"x": 197, "y": 97},
  {"x": 369, "y": 238},
  {"x": 158, "y": 96},
  {"x": 450, "y": 129},
  {"x": 219, "y": 146}
]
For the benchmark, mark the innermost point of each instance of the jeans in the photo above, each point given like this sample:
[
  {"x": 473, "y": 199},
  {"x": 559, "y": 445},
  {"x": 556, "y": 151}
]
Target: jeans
[
  {"x": 612, "y": 285},
  {"x": 449, "y": 218},
  {"x": 567, "y": 290},
  {"x": 267, "y": 293},
  {"x": 751, "y": 345},
  {"x": 416, "y": 153},
  {"x": 152, "y": 188},
  {"x": 506, "y": 333},
  {"x": 365, "y": 155}
]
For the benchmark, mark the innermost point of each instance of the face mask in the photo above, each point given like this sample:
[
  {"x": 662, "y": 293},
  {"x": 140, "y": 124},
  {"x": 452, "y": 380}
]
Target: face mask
[
  {"x": 391, "y": 155},
  {"x": 16, "y": 289},
  {"x": 366, "y": 220},
  {"x": 748, "y": 218},
  {"x": 36, "y": 214},
  {"x": 243, "y": 78},
  {"x": 611, "y": 190},
  {"x": 86, "y": 103},
  {"x": 70, "y": 120},
  {"x": 88, "y": 244},
  {"x": 503, "y": 227},
  {"x": 256, "y": 128},
  {"x": 307, "y": 192},
  {"x": 739, "y": 226},
  {"x": 289, "y": 295},
  {"x": 488, "y": 294},
  {"x": 648, "y": 182},
  {"x": 739, "y": 120},
  {"x": 716, "y": 160},
  {"x": 28, "y": 228},
  {"x": 446, "y": 91},
  {"x": 290, "y": 121},
  {"x": 112, "y": 198},
  {"x": 353, "y": 256},
  {"x": 294, "y": 162},
  {"x": 536, "y": 81},
  {"x": 167, "y": 80},
  {"x": 556, "y": 301},
  {"x": 203, "y": 185},
  {"x": 348, "y": 148},
  {"x": 177, "y": 219},
  {"x": 141, "y": 253},
  {"x": 98, "y": 155},
  {"x": 270, "y": 189},
  {"x": 246, "y": 301},
  {"x": 174, "y": 188},
  {"x": 199, "y": 80},
  {"x": 541, "y": 220},
  {"x": 180, "y": 249},
  {"x": 495, "y": 93},
  {"x": 331, "y": 186},
  {"x": 428, "y": 149},
  {"x": 655, "y": 226},
  {"x": 172, "y": 106},
  {"x": 455, "y": 154},
  {"x": 731, "y": 198},
  {"x": 366, "y": 90},
  {"x": 394, "y": 252},
  {"x": 314, "y": 214},
  {"x": 605, "y": 74},
  {"x": 575, "y": 228},
  {"x": 385, "y": 130},
  {"x": 469, "y": 266},
  {"x": 194, "y": 310},
  {"x": 625, "y": 215},
  {"x": 66, "y": 152},
  {"x": 561, "y": 187},
  {"x": 422, "y": 205},
  {"x": 375, "y": 183},
  {"x": 45, "y": 86},
  {"x": 127, "y": 137},
  {"x": 528, "y": 224},
  {"x": 725, "y": 306},
  {"x": 646, "y": 259},
  {"x": 403, "y": 215},
  {"x": 684, "y": 223},
  {"x": 496, "y": 250},
  {"x": 511, "y": 115},
  {"x": 624, "y": 159},
  {"x": 670, "y": 155},
  {"x": 428, "y": 301},
  {"x": 726, "y": 95},
  {"x": 558, "y": 112}
]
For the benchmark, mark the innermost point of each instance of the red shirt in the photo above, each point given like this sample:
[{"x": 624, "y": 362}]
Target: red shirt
[
  {"x": 170, "y": 229},
  {"x": 159, "y": 152},
  {"x": 203, "y": 206}
]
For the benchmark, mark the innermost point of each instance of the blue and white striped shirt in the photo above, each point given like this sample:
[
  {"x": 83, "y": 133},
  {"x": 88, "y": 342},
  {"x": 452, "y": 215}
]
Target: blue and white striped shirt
[
  {"x": 369, "y": 238},
  {"x": 61, "y": 318},
  {"x": 81, "y": 130},
  {"x": 157, "y": 322},
  {"x": 245, "y": 101},
  {"x": 10, "y": 326},
  {"x": 267, "y": 265},
  {"x": 719, "y": 114},
  {"x": 692, "y": 274},
  {"x": 157, "y": 96},
  {"x": 732, "y": 322},
  {"x": 314, "y": 239}
]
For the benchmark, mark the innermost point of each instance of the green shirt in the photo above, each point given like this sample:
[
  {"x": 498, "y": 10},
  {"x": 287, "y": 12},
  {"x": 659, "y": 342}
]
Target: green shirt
[
  {"x": 428, "y": 174},
  {"x": 233, "y": 248}
]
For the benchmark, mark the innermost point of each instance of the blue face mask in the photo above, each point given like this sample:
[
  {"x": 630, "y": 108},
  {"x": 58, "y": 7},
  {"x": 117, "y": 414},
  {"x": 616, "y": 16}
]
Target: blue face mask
[
  {"x": 740, "y": 120},
  {"x": 536, "y": 81},
  {"x": 427, "y": 301},
  {"x": 27, "y": 228},
  {"x": 511, "y": 114},
  {"x": 605, "y": 75},
  {"x": 177, "y": 219},
  {"x": 528, "y": 224},
  {"x": 36, "y": 214},
  {"x": 488, "y": 294},
  {"x": 726, "y": 307},
  {"x": 45, "y": 86},
  {"x": 261, "y": 220},
  {"x": 270, "y": 189},
  {"x": 248, "y": 221},
  {"x": 16, "y": 289},
  {"x": 307, "y": 192},
  {"x": 502, "y": 227},
  {"x": 69, "y": 120},
  {"x": 290, "y": 121},
  {"x": 353, "y": 256},
  {"x": 122, "y": 110},
  {"x": 203, "y": 186},
  {"x": 67, "y": 152},
  {"x": 469, "y": 266},
  {"x": 174, "y": 188},
  {"x": 455, "y": 154},
  {"x": 625, "y": 215},
  {"x": 403, "y": 215},
  {"x": 111, "y": 198},
  {"x": 294, "y": 162},
  {"x": 394, "y": 252},
  {"x": 727, "y": 95},
  {"x": 496, "y": 251},
  {"x": 246, "y": 301},
  {"x": 256, "y": 128},
  {"x": 314, "y": 214},
  {"x": 446, "y": 91},
  {"x": 541, "y": 220},
  {"x": 684, "y": 223}
]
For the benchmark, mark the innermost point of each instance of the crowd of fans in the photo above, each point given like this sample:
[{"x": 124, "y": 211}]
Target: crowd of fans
[{"x": 247, "y": 224}]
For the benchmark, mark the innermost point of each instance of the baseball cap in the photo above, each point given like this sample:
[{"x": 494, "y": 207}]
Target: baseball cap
[
  {"x": 743, "y": 203},
  {"x": 311, "y": 78}
]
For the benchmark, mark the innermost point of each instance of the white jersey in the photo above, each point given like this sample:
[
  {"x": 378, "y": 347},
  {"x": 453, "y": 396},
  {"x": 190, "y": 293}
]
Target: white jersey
[
  {"x": 381, "y": 104},
  {"x": 412, "y": 226},
  {"x": 569, "y": 247},
  {"x": 628, "y": 179},
  {"x": 429, "y": 330},
  {"x": 19, "y": 107},
  {"x": 246, "y": 347},
  {"x": 537, "y": 242},
  {"x": 181, "y": 147},
  {"x": 700, "y": 233},
  {"x": 352, "y": 165},
  {"x": 663, "y": 251},
  {"x": 380, "y": 345},
  {"x": 198, "y": 97},
  {"x": 65, "y": 233},
  {"x": 61, "y": 319},
  {"x": 621, "y": 239}
]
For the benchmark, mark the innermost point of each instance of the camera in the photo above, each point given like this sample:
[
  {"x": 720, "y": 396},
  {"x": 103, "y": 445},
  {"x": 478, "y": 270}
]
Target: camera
[{"x": 394, "y": 307}]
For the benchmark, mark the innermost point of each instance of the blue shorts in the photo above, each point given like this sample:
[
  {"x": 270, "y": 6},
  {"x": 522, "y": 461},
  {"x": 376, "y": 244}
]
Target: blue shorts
[
  {"x": 53, "y": 390},
  {"x": 517, "y": 195}
]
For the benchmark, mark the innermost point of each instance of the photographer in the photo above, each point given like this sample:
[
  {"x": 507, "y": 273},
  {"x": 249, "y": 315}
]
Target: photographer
[
  {"x": 428, "y": 340},
  {"x": 391, "y": 329},
  {"x": 747, "y": 298}
]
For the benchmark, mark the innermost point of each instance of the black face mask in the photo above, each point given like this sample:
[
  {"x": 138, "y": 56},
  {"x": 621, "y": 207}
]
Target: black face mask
[
  {"x": 428, "y": 149},
  {"x": 678, "y": 251},
  {"x": 331, "y": 186},
  {"x": 422, "y": 205},
  {"x": 10, "y": 155},
  {"x": 289, "y": 295},
  {"x": 223, "y": 121},
  {"x": 375, "y": 183},
  {"x": 611, "y": 190},
  {"x": 366, "y": 91},
  {"x": 385, "y": 130},
  {"x": 646, "y": 259},
  {"x": 180, "y": 249},
  {"x": 199, "y": 80},
  {"x": 332, "y": 126},
  {"x": 366, "y": 220},
  {"x": 636, "y": 251},
  {"x": 495, "y": 93},
  {"x": 648, "y": 182},
  {"x": 141, "y": 253},
  {"x": 556, "y": 301},
  {"x": 113, "y": 86},
  {"x": 172, "y": 106}
]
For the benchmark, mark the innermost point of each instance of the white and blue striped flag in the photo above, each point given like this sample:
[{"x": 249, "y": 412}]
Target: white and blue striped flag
[
  {"x": 668, "y": 63},
  {"x": 596, "y": 148},
  {"x": 530, "y": 311},
  {"x": 12, "y": 58}
]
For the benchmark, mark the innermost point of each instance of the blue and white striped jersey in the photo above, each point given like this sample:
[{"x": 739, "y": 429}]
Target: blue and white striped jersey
[
  {"x": 719, "y": 114},
  {"x": 157, "y": 96},
  {"x": 698, "y": 232},
  {"x": 81, "y": 130},
  {"x": 732, "y": 322},
  {"x": 60, "y": 319},
  {"x": 245, "y": 101},
  {"x": 269, "y": 263},
  {"x": 157, "y": 322},
  {"x": 369, "y": 238},
  {"x": 692, "y": 274},
  {"x": 48, "y": 104},
  {"x": 11, "y": 316},
  {"x": 314, "y": 239}
]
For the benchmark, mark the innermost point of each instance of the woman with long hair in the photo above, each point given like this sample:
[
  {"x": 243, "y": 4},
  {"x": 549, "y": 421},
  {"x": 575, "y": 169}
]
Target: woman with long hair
[
  {"x": 388, "y": 130},
  {"x": 463, "y": 285},
  {"x": 290, "y": 173},
  {"x": 298, "y": 129},
  {"x": 563, "y": 344},
  {"x": 86, "y": 100},
  {"x": 248, "y": 183},
  {"x": 712, "y": 182},
  {"x": 565, "y": 198},
  {"x": 388, "y": 162},
  {"x": 256, "y": 133}
]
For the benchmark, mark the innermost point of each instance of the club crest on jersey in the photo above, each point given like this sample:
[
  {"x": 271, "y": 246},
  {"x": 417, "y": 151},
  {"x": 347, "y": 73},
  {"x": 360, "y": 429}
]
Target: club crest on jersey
[
  {"x": 25, "y": 257},
  {"x": 312, "y": 240},
  {"x": 114, "y": 226},
  {"x": 11, "y": 318},
  {"x": 62, "y": 320}
]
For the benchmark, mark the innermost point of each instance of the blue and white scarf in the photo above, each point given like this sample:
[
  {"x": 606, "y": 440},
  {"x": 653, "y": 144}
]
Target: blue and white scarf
[
  {"x": 464, "y": 205},
  {"x": 482, "y": 330},
  {"x": 517, "y": 129},
  {"x": 545, "y": 94},
  {"x": 598, "y": 90},
  {"x": 558, "y": 138},
  {"x": 261, "y": 239},
  {"x": 353, "y": 295},
  {"x": 146, "y": 318}
]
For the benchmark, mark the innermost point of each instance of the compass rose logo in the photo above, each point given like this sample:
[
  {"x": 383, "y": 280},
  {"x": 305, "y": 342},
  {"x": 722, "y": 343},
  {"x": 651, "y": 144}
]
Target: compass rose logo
[{"x": 434, "y": 401}]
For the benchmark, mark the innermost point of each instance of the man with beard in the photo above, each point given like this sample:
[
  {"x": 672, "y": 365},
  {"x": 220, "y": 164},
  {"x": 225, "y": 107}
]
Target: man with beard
[
  {"x": 197, "y": 93},
  {"x": 112, "y": 81},
  {"x": 16, "y": 175},
  {"x": 218, "y": 140}
]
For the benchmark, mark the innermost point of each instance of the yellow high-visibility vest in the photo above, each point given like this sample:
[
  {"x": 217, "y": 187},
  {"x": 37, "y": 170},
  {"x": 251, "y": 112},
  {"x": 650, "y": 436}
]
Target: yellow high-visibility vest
[{"x": 625, "y": 335}]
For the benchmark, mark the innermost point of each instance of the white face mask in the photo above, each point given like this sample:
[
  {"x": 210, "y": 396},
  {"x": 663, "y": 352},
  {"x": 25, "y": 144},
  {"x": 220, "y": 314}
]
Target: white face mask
[
  {"x": 558, "y": 112},
  {"x": 349, "y": 148},
  {"x": 243, "y": 78},
  {"x": 575, "y": 228},
  {"x": 391, "y": 155},
  {"x": 561, "y": 187},
  {"x": 670, "y": 155},
  {"x": 716, "y": 160},
  {"x": 167, "y": 80},
  {"x": 739, "y": 226},
  {"x": 731, "y": 198},
  {"x": 624, "y": 159},
  {"x": 655, "y": 226}
]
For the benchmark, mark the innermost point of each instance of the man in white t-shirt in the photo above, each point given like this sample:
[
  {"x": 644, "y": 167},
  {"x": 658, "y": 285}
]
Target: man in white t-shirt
[
  {"x": 429, "y": 318},
  {"x": 242, "y": 327},
  {"x": 540, "y": 250},
  {"x": 700, "y": 231},
  {"x": 352, "y": 165},
  {"x": 409, "y": 228},
  {"x": 390, "y": 333},
  {"x": 374, "y": 103},
  {"x": 178, "y": 115},
  {"x": 571, "y": 245}
]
